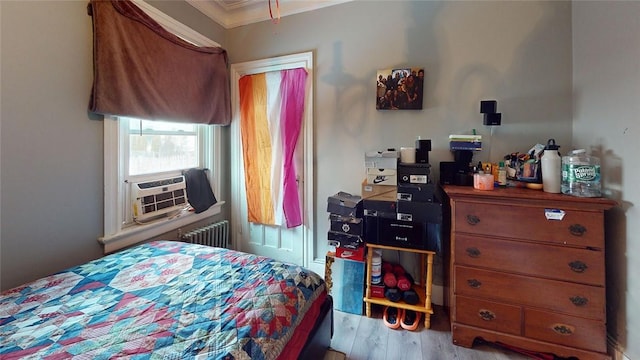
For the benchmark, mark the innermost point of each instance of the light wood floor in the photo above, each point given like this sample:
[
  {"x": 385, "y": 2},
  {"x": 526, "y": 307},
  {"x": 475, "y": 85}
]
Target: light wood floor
[{"x": 362, "y": 338}]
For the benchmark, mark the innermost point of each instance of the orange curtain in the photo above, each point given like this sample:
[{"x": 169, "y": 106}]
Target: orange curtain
[{"x": 256, "y": 144}]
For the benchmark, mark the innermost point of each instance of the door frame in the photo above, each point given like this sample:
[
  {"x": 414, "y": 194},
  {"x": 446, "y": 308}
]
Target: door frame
[{"x": 239, "y": 226}]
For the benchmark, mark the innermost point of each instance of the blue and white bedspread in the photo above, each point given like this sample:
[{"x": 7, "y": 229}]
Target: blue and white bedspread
[{"x": 165, "y": 300}]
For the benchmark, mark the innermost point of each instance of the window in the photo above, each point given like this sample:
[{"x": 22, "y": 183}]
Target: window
[
  {"x": 158, "y": 146},
  {"x": 138, "y": 150},
  {"x": 156, "y": 150}
]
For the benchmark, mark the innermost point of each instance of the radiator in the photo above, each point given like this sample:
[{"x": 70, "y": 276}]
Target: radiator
[{"x": 216, "y": 234}]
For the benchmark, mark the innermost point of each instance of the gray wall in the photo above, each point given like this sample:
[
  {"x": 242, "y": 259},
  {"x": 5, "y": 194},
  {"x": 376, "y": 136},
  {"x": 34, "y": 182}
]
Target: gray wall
[
  {"x": 518, "y": 53},
  {"x": 51, "y": 151},
  {"x": 606, "y": 70}
]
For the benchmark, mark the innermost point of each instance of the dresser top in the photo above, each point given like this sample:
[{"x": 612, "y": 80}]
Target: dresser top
[{"x": 511, "y": 194}]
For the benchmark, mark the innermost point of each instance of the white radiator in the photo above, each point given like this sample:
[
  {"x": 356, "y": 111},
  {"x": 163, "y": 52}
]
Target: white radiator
[{"x": 216, "y": 234}]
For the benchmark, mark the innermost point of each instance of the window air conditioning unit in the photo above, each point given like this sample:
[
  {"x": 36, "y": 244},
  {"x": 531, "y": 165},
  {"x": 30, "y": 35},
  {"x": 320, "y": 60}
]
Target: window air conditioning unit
[{"x": 158, "y": 197}]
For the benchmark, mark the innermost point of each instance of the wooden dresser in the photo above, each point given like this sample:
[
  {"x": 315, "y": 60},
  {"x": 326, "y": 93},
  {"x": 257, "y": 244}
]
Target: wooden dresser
[{"x": 527, "y": 269}]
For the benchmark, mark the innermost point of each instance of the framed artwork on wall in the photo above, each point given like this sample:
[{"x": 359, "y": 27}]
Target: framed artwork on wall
[{"x": 400, "y": 89}]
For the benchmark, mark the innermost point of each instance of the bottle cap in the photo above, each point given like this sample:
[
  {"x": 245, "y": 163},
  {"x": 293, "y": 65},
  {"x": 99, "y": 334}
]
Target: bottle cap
[{"x": 551, "y": 145}]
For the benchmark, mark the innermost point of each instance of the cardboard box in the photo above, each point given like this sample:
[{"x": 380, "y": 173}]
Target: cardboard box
[
  {"x": 380, "y": 208},
  {"x": 416, "y": 192},
  {"x": 382, "y": 176},
  {"x": 347, "y": 225},
  {"x": 378, "y": 192},
  {"x": 351, "y": 254},
  {"x": 377, "y": 291},
  {"x": 345, "y": 283},
  {"x": 407, "y": 234},
  {"x": 346, "y": 241},
  {"x": 414, "y": 173},
  {"x": 370, "y": 229},
  {"x": 381, "y": 159},
  {"x": 393, "y": 232},
  {"x": 384, "y": 231},
  {"x": 345, "y": 204}
]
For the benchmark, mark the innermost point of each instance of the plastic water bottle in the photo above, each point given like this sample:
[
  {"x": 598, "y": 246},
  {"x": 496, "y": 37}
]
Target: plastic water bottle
[
  {"x": 581, "y": 174},
  {"x": 376, "y": 267},
  {"x": 551, "y": 167}
]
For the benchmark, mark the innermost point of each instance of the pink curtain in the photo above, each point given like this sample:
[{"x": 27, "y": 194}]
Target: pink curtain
[{"x": 292, "y": 89}]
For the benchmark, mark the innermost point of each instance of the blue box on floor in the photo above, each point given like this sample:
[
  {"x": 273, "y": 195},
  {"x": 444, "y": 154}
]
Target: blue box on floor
[{"x": 345, "y": 283}]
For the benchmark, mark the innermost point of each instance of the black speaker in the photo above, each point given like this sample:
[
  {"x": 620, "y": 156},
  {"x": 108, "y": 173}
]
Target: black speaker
[
  {"x": 488, "y": 106},
  {"x": 448, "y": 171},
  {"x": 492, "y": 119},
  {"x": 422, "y": 150}
]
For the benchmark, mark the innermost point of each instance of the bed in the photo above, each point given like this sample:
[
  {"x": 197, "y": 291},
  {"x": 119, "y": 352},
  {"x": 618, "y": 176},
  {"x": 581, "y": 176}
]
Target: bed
[{"x": 169, "y": 300}]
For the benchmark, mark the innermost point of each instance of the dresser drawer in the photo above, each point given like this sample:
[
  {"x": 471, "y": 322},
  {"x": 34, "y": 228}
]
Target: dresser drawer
[
  {"x": 565, "y": 330},
  {"x": 576, "y": 228},
  {"x": 555, "y": 262},
  {"x": 570, "y": 298},
  {"x": 488, "y": 315}
]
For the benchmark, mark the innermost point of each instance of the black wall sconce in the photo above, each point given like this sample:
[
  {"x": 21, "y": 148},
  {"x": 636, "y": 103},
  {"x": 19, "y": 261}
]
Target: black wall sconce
[{"x": 491, "y": 117}]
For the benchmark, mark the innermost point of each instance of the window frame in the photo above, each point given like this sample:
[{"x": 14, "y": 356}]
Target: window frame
[{"x": 118, "y": 235}]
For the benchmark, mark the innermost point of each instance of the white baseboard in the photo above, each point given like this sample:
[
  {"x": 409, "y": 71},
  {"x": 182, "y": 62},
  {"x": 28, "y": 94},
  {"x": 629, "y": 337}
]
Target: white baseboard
[{"x": 437, "y": 295}]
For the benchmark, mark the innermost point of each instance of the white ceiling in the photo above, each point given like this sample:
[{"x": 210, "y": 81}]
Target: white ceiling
[{"x": 233, "y": 13}]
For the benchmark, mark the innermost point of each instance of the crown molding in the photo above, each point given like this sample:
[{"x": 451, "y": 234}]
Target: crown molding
[
  {"x": 232, "y": 14},
  {"x": 174, "y": 26}
]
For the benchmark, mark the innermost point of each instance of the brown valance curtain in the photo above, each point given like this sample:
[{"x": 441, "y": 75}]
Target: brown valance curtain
[{"x": 141, "y": 70}]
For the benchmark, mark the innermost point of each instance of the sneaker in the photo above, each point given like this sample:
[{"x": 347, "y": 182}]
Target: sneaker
[
  {"x": 392, "y": 316},
  {"x": 410, "y": 320}
]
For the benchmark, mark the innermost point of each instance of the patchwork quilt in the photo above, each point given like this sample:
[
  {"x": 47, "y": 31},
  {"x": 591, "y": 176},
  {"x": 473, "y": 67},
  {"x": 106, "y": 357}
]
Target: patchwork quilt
[{"x": 161, "y": 300}]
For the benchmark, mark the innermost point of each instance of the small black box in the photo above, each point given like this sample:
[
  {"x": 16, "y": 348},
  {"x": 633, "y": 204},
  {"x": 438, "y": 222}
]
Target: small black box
[
  {"x": 343, "y": 240},
  {"x": 347, "y": 225},
  {"x": 414, "y": 173},
  {"x": 345, "y": 204},
  {"x": 380, "y": 208},
  {"x": 416, "y": 192}
]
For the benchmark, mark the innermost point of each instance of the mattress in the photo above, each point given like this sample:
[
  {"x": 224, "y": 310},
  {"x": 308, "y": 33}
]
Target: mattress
[{"x": 164, "y": 300}]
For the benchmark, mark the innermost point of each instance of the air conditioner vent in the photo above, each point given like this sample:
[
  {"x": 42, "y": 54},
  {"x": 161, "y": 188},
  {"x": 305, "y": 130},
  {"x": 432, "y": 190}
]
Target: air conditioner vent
[{"x": 158, "y": 197}]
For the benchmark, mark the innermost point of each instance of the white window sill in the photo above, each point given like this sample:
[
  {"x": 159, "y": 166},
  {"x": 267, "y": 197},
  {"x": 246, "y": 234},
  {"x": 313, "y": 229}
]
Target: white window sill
[{"x": 139, "y": 233}]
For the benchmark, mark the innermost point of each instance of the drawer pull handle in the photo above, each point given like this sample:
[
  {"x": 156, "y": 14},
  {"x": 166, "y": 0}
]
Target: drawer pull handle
[
  {"x": 473, "y": 220},
  {"x": 577, "y": 230},
  {"x": 486, "y": 315},
  {"x": 474, "y": 283},
  {"x": 579, "y": 300},
  {"x": 578, "y": 266},
  {"x": 473, "y": 252},
  {"x": 563, "y": 329}
]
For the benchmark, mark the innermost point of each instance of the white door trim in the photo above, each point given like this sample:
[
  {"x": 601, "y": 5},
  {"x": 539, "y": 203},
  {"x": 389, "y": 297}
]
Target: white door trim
[{"x": 238, "y": 70}]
